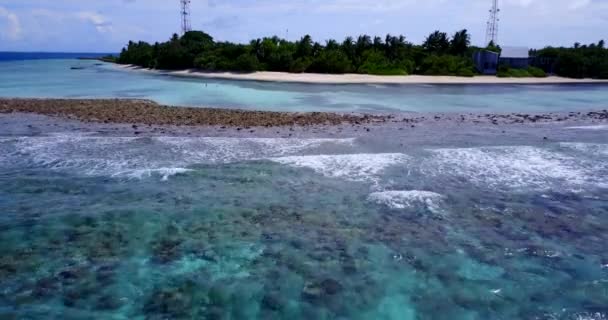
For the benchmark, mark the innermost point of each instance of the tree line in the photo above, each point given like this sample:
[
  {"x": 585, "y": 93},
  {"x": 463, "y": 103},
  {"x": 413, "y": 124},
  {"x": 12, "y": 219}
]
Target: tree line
[
  {"x": 440, "y": 54},
  {"x": 391, "y": 55},
  {"x": 579, "y": 61}
]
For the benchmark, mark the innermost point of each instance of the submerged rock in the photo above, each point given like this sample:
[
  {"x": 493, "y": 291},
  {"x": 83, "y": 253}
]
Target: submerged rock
[
  {"x": 45, "y": 287},
  {"x": 273, "y": 301},
  {"x": 320, "y": 290},
  {"x": 172, "y": 303},
  {"x": 7, "y": 267},
  {"x": 148, "y": 112},
  {"x": 349, "y": 267},
  {"x": 218, "y": 296},
  {"x": 70, "y": 298},
  {"x": 311, "y": 291},
  {"x": 215, "y": 313},
  {"x": 166, "y": 250},
  {"x": 71, "y": 274},
  {"x": 331, "y": 286},
  {"x": 109, "y": 302}
]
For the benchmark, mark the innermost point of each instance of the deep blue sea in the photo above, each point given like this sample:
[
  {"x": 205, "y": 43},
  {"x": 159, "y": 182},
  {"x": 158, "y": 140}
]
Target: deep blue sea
[
  {"x": 16, "y": 56},
  {"x": 439, "y": 220}
]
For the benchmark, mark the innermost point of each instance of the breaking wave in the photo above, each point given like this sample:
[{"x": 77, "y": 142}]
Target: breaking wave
[
  {"x": 134, "y": 157},
  {"x": 407, "y": 199},
  {"x": 597, "y": 149},
  {"x": 595, "y": 127},
  {"x": 516, "y": 167},
  {"x": 354, "y": 167}
]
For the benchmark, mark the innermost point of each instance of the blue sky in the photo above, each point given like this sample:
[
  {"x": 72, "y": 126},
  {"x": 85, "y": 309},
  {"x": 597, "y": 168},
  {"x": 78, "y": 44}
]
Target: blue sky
[{"x": 106, "y": 25}]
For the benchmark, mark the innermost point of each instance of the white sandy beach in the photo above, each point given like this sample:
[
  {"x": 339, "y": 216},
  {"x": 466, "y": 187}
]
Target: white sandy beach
[{"x": 315, "y": 78}]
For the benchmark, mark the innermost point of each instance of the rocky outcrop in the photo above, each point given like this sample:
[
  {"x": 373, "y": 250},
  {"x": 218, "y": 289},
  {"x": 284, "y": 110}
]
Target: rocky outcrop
[{"x": 149, "y": 112}]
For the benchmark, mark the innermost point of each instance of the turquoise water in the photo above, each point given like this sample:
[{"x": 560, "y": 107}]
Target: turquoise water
[
  {"x": 121, "y": 227},
  {"x": 446, "y": 220},
  {"x": 55, "y": 78}
]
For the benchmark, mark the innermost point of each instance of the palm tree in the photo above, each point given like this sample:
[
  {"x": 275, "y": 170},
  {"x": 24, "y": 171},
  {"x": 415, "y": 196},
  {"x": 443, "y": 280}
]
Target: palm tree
[
  {"x": 331, "y": 44},
  {"x": 349, "y": 48},
  {"x": 460, "y": 42},
  {"x": 437, "y": 42},
  {"x": 317, "y": 48},
  {"x": 401, "y": 40},
  {"x": 378, "y": 45},
  {"x": 257, "y": 48},
  {"x": 364, "y": 42},
  {"x": 304, "y": 47}
]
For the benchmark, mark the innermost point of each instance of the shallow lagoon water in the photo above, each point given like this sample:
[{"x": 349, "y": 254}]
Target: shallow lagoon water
[
  {"x": 54, "y": 78},
  {"x": 441, "y": 221},
  {"x": 304, "y": 228}
]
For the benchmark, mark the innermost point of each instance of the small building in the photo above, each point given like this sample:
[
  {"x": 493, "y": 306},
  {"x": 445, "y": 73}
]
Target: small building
[
  {"x": 515, "y": 57},
  {"x": 486, "y": 61}
]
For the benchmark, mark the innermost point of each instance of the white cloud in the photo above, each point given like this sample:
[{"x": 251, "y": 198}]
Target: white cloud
[
  {"x": 10, "y": 26},
  {"x": 313, "y": 6},
  {"x": 362, "y": 5},
  {"x": 578, "y": 4},
  {"x": 111, "y": 23},
  {"x": 102, "y": 25}
]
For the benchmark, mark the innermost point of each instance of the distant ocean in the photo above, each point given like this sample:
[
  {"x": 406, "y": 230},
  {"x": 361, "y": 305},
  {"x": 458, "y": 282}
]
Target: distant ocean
[{"x": 13, "y": 56}]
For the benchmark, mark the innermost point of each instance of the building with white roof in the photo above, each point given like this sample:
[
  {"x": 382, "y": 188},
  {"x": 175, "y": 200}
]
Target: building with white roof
[{"x": 515, "y": 57}]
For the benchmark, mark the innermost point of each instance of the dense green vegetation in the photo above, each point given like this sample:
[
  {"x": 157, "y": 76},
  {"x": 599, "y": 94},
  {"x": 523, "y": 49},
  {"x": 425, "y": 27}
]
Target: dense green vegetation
[
  {"x": 494, "y": 47},
  {"x": 392, "y": 55},
  {"x": 580, "y": 61},
  {"x": 109, "y": 58},
  {"x": 507, "y": 72},
  {"x": 440, "y": 54}
]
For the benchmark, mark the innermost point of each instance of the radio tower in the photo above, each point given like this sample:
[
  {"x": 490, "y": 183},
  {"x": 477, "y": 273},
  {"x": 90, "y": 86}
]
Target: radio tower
[
  {"x": 492, "y": 28},
  {"x": 185, "y": 6}
]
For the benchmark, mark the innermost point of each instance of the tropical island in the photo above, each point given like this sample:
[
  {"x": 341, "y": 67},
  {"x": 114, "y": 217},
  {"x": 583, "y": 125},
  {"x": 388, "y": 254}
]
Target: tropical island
[{"x": 438, "y": 55}]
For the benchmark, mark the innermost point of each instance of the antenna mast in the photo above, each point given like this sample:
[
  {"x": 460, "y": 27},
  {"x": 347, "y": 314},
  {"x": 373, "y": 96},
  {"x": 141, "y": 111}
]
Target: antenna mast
[
  {"x": 185, "y": 7},
  {"x": 492, "y": 28}
]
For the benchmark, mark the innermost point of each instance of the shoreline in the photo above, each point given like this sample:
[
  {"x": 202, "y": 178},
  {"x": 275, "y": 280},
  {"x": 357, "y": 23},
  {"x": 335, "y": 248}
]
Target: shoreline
[{"x": 316, "y": 78}]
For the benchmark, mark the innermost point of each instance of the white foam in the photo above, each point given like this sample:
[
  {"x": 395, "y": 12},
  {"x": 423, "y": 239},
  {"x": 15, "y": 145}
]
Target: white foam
[
  {"x": 407, "y": 199},
  {"x": 592, "y": 316},
  {"x": 354, "y": 167},
  {"x": 149, "y": 156},
  {"x": 231, "y": 149},
  {"x": 597, "y": 149},
  {"x": 378, "y": 86},
  {"x": 595, "y": 127},
  {"x": 164, "y": 173},
  {"x": 512, "y": 167},
  {"x": 77, "y": 153}
]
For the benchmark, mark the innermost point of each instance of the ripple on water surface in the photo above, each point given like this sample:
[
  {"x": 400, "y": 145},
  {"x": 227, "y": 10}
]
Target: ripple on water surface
[{"x": 300, "y": 229}]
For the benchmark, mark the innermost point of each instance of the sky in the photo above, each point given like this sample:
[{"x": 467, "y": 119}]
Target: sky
[{"x": 107, "y": 25}]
